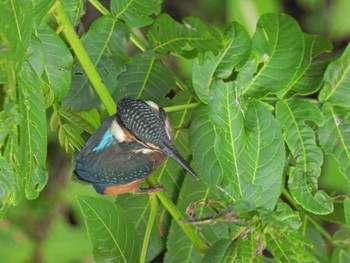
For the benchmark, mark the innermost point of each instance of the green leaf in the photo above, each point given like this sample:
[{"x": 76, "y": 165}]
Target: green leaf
[
  {"x": 135, "y": 13},
  {"x": 287, "y": 245},
  {"x": 278, "y": 46},
  {"x": 202, "y": 134},
  {"x": 341, "y": 253},
  {"x": 347, "y": 211},
  {"x": 36, "y": 55},
  {"x": 58, "y": 62},
  {"x": 77, "y": 118},
  {"x": 247, "y": 247},
  {"x": 41, "y": 8},
  {"x": 145, "y": 78},
  {"x": 221, "y": 251},
  {"x": 180, "y": 249},
  {"x": 33, "y": 133},
  {"x": 309, "y": 77},
  {"x": 225, "y": 112},
  {"x": 16, "y": 23},
  {"x": 111, "y": 230},
  {"x": 262, "y": 161},
  {"x": 7, "y": 185},
  {"x": 319, "y": 248},
  {"x": 234, "y": 53},
  {"x": 308, "y": 157},
  {"x": 337, "y": 81},
  {"x": 74, "y": 9},
  {"x": 138, "y": 207},
  {"x": 334, "y": 136},
  {"x": 187, "y": 39},
  {"x": 104, "y": 43}
]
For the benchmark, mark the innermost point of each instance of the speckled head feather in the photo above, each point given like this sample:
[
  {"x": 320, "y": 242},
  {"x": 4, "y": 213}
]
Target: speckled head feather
[{"x": 147, "y": 122}]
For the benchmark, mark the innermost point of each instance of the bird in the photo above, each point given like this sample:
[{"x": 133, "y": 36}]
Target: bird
[{"x": 128, "y": 147}]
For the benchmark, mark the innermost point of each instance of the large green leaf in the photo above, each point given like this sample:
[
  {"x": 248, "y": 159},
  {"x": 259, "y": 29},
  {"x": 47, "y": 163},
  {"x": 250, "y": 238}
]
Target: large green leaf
[
  {"x": 111, "y": 231},
  {"x": 337, "y": 81},
  {"x": 310, "y": 74},
  {"x": 233, "y": 54},
  {"x": 104, "y": 43},
  {"x": 16, "y": 24},
  {"x": 225, "y": 112},
  {"x": 145, "y": 78},
  {"x": 33, "y": 133},
  {"x": 185, "y": 39},
  {"x": 135, "y": 13},
  {"x": 202, "y": 134},
  {"x": 58, "y": 62},
  {"x": 308, "y": 157},
  {"x": 262, "y": 160},
  {"x": 278, "y": 46},
  {"x": 180, "y": 248},
  {"x": 334, "y": 136}
]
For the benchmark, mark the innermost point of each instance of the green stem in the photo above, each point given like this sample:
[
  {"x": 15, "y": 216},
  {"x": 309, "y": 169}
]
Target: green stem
[
  {"x": 109, "y": 103},
  {"x": 199, "y": 244},
  {"x": 84, "y": 59},
  {"x": 181, "y": 107},
  {"x": 99, "y": 7},
  {"x": 154, "y": 206}
]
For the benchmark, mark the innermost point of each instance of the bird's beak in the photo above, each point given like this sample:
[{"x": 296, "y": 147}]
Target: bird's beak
[{"x": 175, "y": 155}]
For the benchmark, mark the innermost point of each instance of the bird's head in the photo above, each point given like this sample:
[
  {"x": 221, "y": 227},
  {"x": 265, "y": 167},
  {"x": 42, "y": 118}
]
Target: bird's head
[{"x": 150, "y": 125}]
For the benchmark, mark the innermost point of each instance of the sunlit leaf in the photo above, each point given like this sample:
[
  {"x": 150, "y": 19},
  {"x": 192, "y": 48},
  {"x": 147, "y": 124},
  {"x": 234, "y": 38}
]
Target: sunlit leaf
[
  {"x": 337, "y": 81},
  {"x": 16, "y": 23},
  {"x": 334, "y": 136},
  {"x": 278, "y": 46},
  {"x": 185, "y": 39},
  {"x": 225, "y": 112},
  {"x": 308, "y": 157},
  {"x": 33, "y": 134},
  {"x": 234, "y": 53},
  {"x": 262, "y": 160},
  {"x": 309, "y": 76},
  {"x": 58, "y": 62},
  {"x": 111, "y": 231},
  {"x": 347, "y": 211},
  {"x": 135, "y": 13}
]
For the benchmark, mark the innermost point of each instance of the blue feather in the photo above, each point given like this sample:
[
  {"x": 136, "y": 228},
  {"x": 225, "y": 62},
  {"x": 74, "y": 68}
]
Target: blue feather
[{"x": 106, "y": 140}]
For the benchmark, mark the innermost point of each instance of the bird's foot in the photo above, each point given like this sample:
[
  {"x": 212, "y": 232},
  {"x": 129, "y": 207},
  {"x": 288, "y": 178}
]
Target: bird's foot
[{"x": 153, "y": 189}]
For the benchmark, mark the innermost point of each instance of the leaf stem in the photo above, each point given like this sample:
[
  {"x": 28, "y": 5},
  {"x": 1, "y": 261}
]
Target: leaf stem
[
  {"x": 154, "y": 206},
  {"x": 104, "y": 11},
  {"x": 83, "y": 57},
  {"x": 181, "y": 107}
]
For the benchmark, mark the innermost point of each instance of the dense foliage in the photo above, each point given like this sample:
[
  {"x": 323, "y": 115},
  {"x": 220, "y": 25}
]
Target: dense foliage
[{"x": 259, "y": 116}]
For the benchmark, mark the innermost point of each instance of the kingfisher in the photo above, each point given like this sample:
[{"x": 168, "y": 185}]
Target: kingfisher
[{"x": 127, "y": 148}]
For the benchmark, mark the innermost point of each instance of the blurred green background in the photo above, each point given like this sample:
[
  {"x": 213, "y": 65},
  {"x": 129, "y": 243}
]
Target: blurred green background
[{"x": 51, "y": 229}]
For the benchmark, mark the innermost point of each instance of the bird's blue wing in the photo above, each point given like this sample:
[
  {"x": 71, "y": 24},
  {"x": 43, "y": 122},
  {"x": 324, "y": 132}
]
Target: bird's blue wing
[{"x": 105, "y": 161}]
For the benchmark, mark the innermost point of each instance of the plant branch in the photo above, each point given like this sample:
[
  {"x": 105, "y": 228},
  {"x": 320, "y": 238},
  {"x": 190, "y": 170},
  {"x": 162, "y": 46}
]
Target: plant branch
[
  {"x": 154, "y": 206},
  {"x": 83, "y": 58},
  {"x": 110, "y": 105}
]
